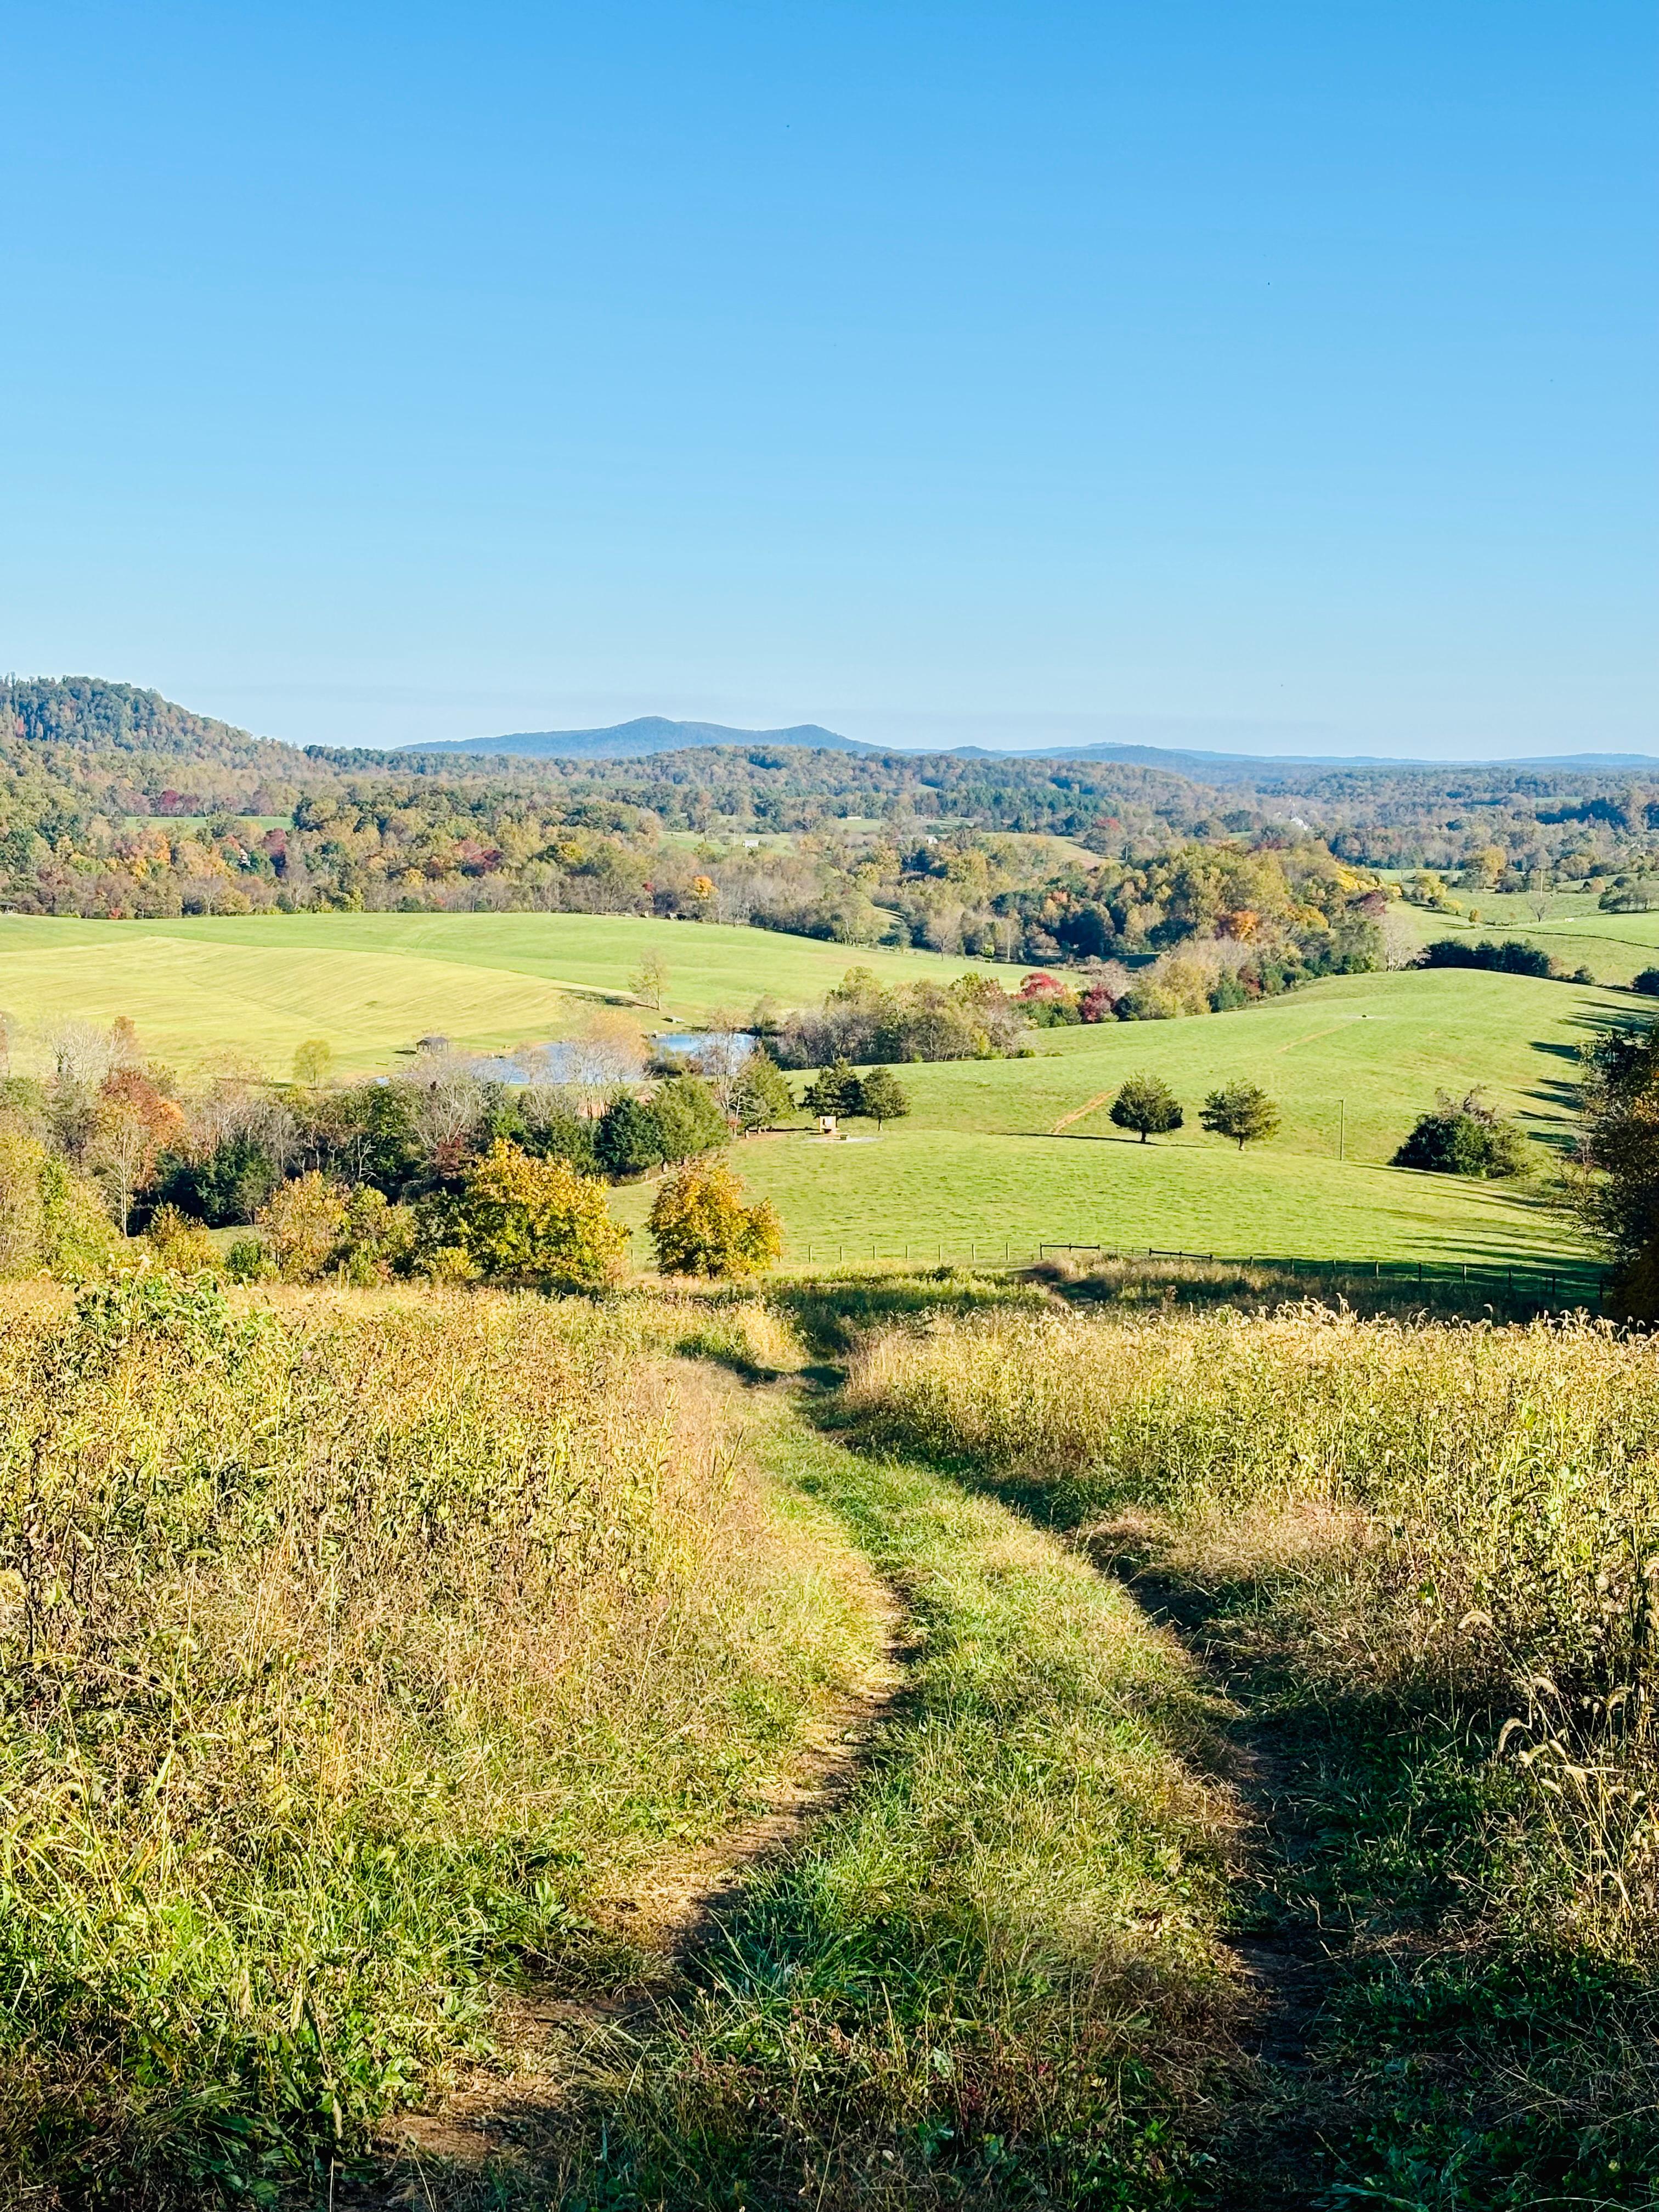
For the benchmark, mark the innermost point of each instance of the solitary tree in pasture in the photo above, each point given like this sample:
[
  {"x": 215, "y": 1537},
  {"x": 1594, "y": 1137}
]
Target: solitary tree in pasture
[
  {"x": 312, "y": 1061},
  {"x": 1240, "y": 1111},
  {"x": 1146, "y": 1105},
  {"x": 882, "y": 1097},
  {"x": 649, "y": 981}
]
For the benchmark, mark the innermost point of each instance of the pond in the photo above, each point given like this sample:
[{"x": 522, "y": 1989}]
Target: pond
[{"x": 563, "y": 1061}]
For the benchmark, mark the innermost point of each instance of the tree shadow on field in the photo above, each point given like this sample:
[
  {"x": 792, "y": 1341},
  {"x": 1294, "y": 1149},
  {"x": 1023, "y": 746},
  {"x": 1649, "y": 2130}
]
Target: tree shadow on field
[{"x": 832, "y": 1311}]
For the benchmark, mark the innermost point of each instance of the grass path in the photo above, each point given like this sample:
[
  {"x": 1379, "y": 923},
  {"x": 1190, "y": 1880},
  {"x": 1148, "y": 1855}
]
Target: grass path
[
  {"x": 1121, "y": 1912},
  {"x": 991, "y": 1975}
]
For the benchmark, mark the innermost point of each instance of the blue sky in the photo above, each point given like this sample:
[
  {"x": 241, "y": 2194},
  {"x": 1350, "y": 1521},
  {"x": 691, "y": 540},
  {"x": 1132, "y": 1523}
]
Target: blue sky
[{"x": 1217, "y": 371}]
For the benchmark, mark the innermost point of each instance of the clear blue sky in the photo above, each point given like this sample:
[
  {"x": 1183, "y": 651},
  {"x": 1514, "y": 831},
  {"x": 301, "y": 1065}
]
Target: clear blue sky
[{"x": 1210, "y": 371}]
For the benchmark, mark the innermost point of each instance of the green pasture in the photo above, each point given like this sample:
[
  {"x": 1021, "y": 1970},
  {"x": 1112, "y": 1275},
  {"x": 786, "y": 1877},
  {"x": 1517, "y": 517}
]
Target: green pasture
[
  {"x": 983, "y": 1159},
  {"x": 925, "y": 1194},
  {"x": 1351, "y": 1060},
  {"x": 372, "y": 983},
  {"x": 1614, "y": 947}
]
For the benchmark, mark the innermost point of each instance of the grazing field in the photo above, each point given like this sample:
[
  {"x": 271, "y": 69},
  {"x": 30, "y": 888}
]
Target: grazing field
[
  {"x": 1614, "y": 947},
  {"x": 372, "y": 983},
  {"x": 996, "y": 1153},
  {"x": 1356, "y": 1056}
]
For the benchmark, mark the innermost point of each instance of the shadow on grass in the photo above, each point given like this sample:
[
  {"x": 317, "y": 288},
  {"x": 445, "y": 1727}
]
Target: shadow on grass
[
  {"x": 1445, "y": 2031},
  {"x": 832, "y": 1311}
]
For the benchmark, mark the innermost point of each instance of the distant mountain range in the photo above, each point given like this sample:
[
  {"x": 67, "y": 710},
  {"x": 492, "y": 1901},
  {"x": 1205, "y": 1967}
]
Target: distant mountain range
[
  {"x": 650, "y": 734},
  {"x": 656, "y": 733}
]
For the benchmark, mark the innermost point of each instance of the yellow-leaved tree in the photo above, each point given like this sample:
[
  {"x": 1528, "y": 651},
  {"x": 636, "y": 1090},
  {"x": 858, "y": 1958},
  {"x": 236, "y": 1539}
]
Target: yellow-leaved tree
[
  {"x": 537, "y": 1222},
  {"x": 701, "y": 1226}
]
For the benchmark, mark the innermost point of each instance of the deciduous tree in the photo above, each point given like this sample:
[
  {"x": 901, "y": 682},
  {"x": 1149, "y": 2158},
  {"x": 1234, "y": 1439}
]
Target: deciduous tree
[
  {"x": 1242, "y": 1111},
  {"x": 537, "y": 1222},
  {"x": 701, "y": 1226}
]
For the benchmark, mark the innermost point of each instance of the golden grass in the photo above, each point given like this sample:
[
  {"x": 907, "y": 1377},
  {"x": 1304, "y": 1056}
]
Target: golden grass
[
  {"x": 356, "y": 1645},
  {"x": 1462, "y": 1514}
]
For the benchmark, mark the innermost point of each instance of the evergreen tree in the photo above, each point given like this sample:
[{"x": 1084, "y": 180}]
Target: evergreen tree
[
  {"x": 836, "y": 1091},
  {"x": 884, "y": 1097},
  {"x": 1147, "y": 1104},
  {"x": 627, "y": 1139},
  {"x": 689, "y": 1122},
  {"x": 762, "y": 1097}
]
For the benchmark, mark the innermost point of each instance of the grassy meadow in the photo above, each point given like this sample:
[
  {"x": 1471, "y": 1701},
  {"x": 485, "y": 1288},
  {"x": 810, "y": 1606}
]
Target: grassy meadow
[
  {"x": 1420, "y": 1560},
  {"x": 358, "y": 1649},
  {"x": 995, "y": 1154},
  {"x": 372, "y": 983},
  {"x": 984, "y": 1157},
  {"x": 1614, "y": 946},
  {"x": 1255, "y": 1811}
]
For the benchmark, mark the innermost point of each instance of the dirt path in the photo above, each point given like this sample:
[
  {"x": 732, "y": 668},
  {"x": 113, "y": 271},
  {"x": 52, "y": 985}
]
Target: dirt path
[{"x": 1078, "y": 1112}]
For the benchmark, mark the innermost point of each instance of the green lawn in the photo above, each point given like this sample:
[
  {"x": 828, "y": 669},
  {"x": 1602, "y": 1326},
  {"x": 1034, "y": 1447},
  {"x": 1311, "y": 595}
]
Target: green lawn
[
  {"x": 372, "y": 983},
  {"x": 1356, "y": 1056}
]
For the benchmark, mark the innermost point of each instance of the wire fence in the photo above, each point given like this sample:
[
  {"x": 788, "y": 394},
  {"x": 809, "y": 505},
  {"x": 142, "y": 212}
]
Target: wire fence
[{"x": 1544, "y": 1282}]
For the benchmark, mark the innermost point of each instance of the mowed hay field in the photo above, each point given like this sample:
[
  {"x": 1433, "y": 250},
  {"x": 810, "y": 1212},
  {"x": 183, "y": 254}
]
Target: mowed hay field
[
  {"x": 1360, "y": 1055},
  {"x": 983, "y": 1160},
  {"x": 372, "y": 983}
]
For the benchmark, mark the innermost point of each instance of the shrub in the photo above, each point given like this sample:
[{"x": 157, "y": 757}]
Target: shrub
[
  {"x": 301, "y": 1224},
  {"x": 537, "y": 1223},
  {"x": 1647, "y": 982},
  {"x": 1148, "y": 1104},
  {"x": 247, "y": 1260},
  {"x": 1242, "y": 1111},
  {"x": 1464, "y": 1137},
  {"x": 180, "y": 1245},
  {"x": 52, "y": 1221},
  {"x": 701, "y": 1226}
]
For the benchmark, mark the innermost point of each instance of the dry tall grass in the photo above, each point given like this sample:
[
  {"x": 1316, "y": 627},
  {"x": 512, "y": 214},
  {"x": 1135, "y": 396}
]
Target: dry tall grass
[
  {"x": 352, "y": 1645},
  {"x": 1464, "y": 1516}
]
